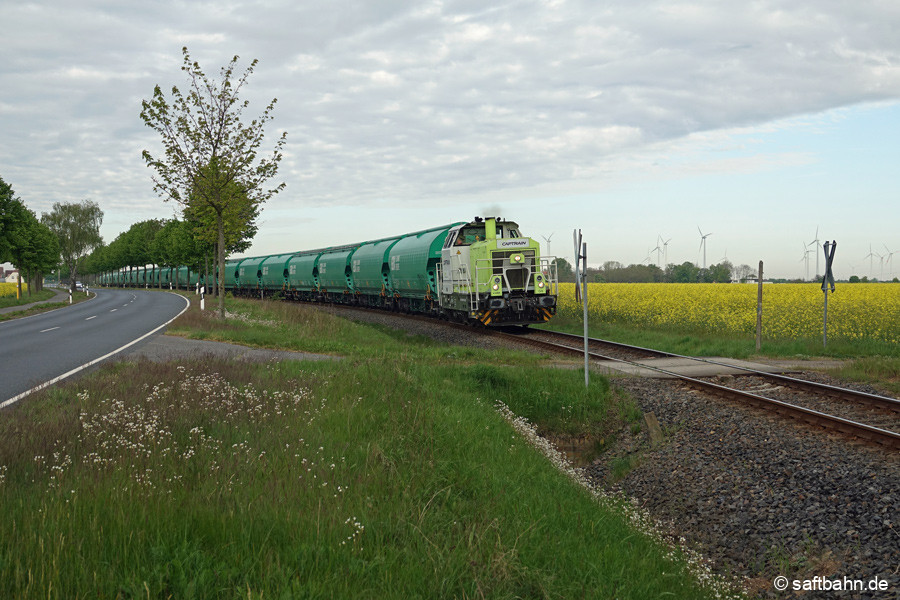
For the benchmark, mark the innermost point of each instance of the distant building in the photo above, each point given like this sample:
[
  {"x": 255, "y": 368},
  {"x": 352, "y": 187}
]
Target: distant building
[{"x": 12, "y": 276}]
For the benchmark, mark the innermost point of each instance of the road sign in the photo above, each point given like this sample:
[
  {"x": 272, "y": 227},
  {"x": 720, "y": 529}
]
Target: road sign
[
  {"x": 827, "y": 281},
  {"x": 828, "y": 278}
]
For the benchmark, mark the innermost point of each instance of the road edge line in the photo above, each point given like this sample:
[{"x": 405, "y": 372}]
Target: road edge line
[{"x": 47, "y": 384}]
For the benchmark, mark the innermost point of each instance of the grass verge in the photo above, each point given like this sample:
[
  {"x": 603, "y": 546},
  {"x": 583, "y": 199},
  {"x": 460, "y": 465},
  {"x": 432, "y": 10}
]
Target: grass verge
[
  {"x": 883, "y": 371},
  {"x": 8, "y": 301},
  {"x": 389, "y": 474}
]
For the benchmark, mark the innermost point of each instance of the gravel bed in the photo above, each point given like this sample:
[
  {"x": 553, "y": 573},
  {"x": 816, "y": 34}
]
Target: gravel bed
[
  {"x": 760, "y": 496},
  {"x": 859, "y": 411}
]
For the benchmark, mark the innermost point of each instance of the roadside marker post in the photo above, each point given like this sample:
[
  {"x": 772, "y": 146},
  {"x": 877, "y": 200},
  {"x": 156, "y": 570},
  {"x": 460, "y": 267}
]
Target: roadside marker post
[{"x": 827, "y": 281}]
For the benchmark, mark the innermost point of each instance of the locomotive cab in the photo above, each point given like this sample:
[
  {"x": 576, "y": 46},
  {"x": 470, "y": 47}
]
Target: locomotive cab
[{"x": 491, "y": 274}]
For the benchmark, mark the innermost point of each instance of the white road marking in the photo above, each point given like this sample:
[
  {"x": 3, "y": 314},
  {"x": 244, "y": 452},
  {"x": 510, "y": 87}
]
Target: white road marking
[
  {"x": 36, "y": 388},
  {"x": 51, "y": 329},
  {"x": 114, "y": 310},
  {"x": 89, "y": 318}
]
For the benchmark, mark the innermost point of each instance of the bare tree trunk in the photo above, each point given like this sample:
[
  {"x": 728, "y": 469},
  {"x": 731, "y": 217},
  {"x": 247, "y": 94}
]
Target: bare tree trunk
[{"x": 220, "y": 223}]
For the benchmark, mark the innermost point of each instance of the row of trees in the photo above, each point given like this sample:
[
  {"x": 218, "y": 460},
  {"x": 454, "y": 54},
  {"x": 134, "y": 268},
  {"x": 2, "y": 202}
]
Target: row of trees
[
  {"x": 687, "y": 272},
  {"x": 25, "y": 242},
  {"x": 188, "y": 242},
  {"x": 63, "y": 236}
]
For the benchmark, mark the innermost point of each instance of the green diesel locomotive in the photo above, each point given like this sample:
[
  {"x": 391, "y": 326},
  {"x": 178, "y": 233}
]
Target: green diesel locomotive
[{"x": 481, "y": 271}]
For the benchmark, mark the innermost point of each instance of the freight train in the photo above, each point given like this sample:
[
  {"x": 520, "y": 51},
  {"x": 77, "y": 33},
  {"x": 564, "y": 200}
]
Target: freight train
[{"x": 482, "y": 271}]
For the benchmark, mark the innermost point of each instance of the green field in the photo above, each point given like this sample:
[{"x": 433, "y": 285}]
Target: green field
[
  {"x": 390, "y": 473},
  {"x": 719, "y": 320}
]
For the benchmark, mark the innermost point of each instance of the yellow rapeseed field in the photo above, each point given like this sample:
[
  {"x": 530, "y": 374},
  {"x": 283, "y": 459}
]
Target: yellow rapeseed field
[
  {"x": 9, "y": 289},
  {"x": 855, "y": 311}
]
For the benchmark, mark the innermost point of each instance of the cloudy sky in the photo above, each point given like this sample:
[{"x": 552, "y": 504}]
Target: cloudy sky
[{"x": 758, "y": 122}]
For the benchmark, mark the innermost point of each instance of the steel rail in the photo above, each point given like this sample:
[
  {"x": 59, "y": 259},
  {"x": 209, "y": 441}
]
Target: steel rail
[
  {"x": 875, "y": 435},
  {"x": 882, "y": 437},
  {"x": 874, "y": 399}
]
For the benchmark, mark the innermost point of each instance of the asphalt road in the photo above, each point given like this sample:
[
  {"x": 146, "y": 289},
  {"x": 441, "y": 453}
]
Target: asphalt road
[{"x": 41, "y": 348}]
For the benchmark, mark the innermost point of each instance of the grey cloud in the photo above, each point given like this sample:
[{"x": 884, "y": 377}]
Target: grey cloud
[{"x": 428, "y": 100}]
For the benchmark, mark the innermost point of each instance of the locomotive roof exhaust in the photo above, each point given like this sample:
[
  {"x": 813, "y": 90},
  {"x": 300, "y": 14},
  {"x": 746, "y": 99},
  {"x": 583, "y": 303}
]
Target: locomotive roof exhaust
[{"x": 490, "y": 229}]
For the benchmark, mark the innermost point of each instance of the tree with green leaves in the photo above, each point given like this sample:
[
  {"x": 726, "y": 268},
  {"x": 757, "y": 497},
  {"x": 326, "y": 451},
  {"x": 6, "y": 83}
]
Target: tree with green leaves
[
  {"x": 211, "y": 157},
  {"x": 136, "y": 244},
  {"x": 175, "y": 246},
  {"x": 10, "y": 216},
  {"x": 29, "y": 245},
  {"x": 76, "y": 226},
  {"x": 35, "y": 251},
  {"x": 564, "y": 270},
  {"x": 686, "y": 272},
  {"x": 240, "y": 226}
]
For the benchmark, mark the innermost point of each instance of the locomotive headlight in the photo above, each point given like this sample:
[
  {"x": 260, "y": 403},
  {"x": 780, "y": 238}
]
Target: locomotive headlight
[
  {"x": 539, "y": 284},
  {"x": 496, "y": 286},
  {"x": 516, "y": 258}
]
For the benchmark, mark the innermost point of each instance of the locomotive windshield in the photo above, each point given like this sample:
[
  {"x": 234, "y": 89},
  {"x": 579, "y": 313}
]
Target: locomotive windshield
[
  {"x": 478, "y": 232},
  {"x": 470, "y": 234}
]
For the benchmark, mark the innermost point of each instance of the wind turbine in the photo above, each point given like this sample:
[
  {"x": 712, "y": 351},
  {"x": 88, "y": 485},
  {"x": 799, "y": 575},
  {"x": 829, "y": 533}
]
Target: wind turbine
[
  {"x": 666, "y": 250},
  {"x": 890, "y": 260},
  {"x": 806, "y": 252},
  {"x": 815, "y": 243},
  {"x": 871, "y": 257},
  {"x": 658, "y": 250},
  {"x": 703, "y": 244},
  {"x": 547, "y": 239}
]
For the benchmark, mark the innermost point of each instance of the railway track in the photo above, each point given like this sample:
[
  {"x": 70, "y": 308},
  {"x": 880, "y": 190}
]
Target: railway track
[{"x": 868, "y": 417}]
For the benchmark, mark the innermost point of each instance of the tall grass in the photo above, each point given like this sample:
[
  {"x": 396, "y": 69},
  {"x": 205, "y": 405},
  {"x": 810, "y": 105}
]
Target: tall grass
[
  {"x": 378, "y": 477},
  {"x": 883, "y": 370}
]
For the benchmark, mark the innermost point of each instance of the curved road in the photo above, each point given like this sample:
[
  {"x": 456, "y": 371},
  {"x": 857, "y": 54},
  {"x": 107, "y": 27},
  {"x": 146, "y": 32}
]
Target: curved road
[{"x": 42, "y": 348}]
